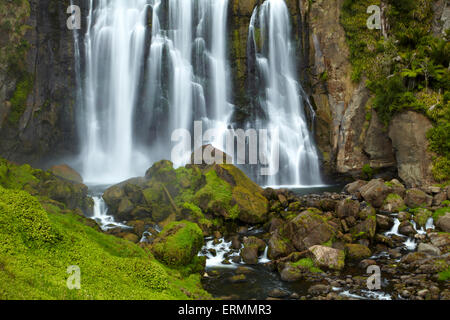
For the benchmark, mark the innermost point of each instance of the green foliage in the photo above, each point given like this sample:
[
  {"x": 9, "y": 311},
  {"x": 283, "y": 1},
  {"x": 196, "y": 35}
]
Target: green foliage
[
  {"x": 19, "y": 99},
  {"x": 307, "y": 263},
  {"x": 37, "y": 247},
  {"x": 178, "y": 243},
  {"x": 367, "y": 171}
]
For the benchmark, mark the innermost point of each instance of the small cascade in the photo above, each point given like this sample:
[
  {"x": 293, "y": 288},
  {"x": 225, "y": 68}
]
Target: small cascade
[
  {"x": 105, "y": 221},
  {"x": 216, "y": 253},
  {"x": 264, "y": 258},
  {"x": 394, "y": 229}
]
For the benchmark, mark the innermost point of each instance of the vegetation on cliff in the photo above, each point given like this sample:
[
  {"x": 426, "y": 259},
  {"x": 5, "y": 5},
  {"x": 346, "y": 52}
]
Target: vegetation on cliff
[{"x": 407, "y": 70}]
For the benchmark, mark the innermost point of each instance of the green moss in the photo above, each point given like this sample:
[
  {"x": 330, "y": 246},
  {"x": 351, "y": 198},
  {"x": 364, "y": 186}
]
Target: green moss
[
  {"x": 19, "y": 98},
  {"x": 367, "y": 172},
  {"x": 421, "y": 216},
  {"x": 440, "y": 213},
  {"x": 17, "y": 177},
  {"x": 37, "y": 247},
  {"x": 444, "y": 275},
  {"x": 307, "y": 263},
  {"x": 178, "y": 243}
]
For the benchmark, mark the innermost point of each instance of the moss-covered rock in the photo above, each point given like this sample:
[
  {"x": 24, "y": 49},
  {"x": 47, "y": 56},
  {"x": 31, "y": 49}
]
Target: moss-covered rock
[
  {"x": 327, "y": 257},
  {"x": 393, "y": 203},
  {"x": 421, "y": 216},
  {"x": 178, "y": 243},
  {"x": 357, "y": 252},
  {"x": 66, "y": 172},
  {"x": 307, "y": 229}
]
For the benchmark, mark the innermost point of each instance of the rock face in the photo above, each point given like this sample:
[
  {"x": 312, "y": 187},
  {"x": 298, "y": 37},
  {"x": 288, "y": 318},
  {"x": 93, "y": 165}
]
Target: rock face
[
  {"x": 413, "y": 161},
  {"x": 37, "y": 87}
]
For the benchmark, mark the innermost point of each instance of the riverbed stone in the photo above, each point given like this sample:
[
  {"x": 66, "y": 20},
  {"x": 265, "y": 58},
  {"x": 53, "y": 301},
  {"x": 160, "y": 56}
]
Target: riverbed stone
[
  {"x": 417, "y": 198},
  {"x": 307, "y": 229},
  {"x": 443, "y": 223},
  {"x": 428, "y": 249},
  {"x": 357, "y": 252},
  {"x": 375, "y": 192},
  {"x": 328, "y": 257},
  {"x": 347, "y": 208}
]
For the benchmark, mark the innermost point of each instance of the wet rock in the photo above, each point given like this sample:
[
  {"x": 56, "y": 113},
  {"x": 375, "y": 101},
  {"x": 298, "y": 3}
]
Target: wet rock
[
  {"x": 244, "y": 270},
  {"x": 235, "y": 242},
  {"x": 367, "y": 262},
  {"x": 375, "y": 192},
  {"x": 441, "y": 241},
  {"x": 279, "y": 247},
  {"x": 428, "y": 249},
  {"x": 421, "y": 216},
  {"x": 290, "y": 273},
  {"x": 278, "y": 293},
  {"x": 253, "y": 247},
  {"x": 380, "y": 238},
  {"x": 357, "y": 252},
  {"x": 403, "y": 216},
  {"x": 365, "y": 229},
  {"x": 319, "y": 289},
  {"x": 407, "y": 229},
  {"x": 328, "y": 257},
  {"x": 443, "y": 222},
  {"x": 417, "y": 198},
  {"x": 275, "y": 223},
  {"x": 384, "y": 222},
  {"x": 239, "y": 278}
]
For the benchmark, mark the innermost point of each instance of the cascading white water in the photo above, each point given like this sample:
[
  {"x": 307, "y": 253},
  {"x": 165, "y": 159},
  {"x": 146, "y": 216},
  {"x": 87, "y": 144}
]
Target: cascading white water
[
  {"x": 282, "y": 97},
  {"x": 192, "y": 40},
  {"x": 114, "y": 47}
]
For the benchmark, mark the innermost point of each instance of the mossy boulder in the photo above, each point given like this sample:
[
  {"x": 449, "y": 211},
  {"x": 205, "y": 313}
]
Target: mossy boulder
[
  {"x": 279, "y": 247},
  {"x": 421, "y": 216},
  {"x": 66, "y": 172},
  {"x": 365, "y": 229},
  {"x": 393, "y": 203},
  {"x": 357, "y": 252},
  {"x": 307, "y": 229},
  {"x": 417, "y": 198},
  {"x": 178, "y": 243},
  {"x": 253, "y": 247}
]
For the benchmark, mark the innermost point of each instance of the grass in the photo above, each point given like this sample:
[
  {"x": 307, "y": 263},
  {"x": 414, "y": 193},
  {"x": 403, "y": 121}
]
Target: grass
[{"x": 37, "y": 247}]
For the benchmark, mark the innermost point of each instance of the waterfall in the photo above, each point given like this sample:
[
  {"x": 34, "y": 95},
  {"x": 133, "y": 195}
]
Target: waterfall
[
  {"x": 281, "y": 98},
  {"x": 114, "y": 47}
]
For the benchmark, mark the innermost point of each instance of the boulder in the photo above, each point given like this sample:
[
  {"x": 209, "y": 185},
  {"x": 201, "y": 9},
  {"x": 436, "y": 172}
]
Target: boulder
[
  {"x": 407, "y": 229},
  {"x": 178, "y": 243},
  {"x": 253, "y": 247},
  {"x": 443, "y": 223},
  {"x": 393, "y": 203},
  {"x": 347, "y": 208},
  {"x": 307, "y": 229},
  {"x": 384, "y": 222},
  {"x": 291, "y": 273},
  {"x": 319, "y": 289},
  {"x": 353, "y": 188},
  {"x": 428, "y": 249},
  {"x": 328, "y": 257},
  {"x": 279, "y": 247},
  {"x": 421, "y": 216},
  {"x": 357, "y": 252},
  {"x": 417, "y": 198},
  {"x": 375, "y": 192},
  {"x": 365, "y": 229},
  {"x": 66, "y": 172},
  {"x": 396, "y": 187}
]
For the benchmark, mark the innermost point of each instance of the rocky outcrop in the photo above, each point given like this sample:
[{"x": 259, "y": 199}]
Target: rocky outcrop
[
  {"x": 408, "y": 134},
  {"x": 37, "y": 86}
]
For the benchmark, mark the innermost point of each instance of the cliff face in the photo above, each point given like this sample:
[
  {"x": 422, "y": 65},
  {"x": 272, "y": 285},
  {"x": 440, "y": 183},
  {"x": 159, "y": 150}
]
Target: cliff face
[{"x": 37, "y": 89}]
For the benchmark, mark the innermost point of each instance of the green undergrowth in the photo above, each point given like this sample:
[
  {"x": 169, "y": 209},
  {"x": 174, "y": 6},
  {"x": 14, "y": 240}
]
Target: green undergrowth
[
  {"x": 307, "y": 263},
  {"x": 37, "y": 247},
  {"x": 407, "y": 70}
]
